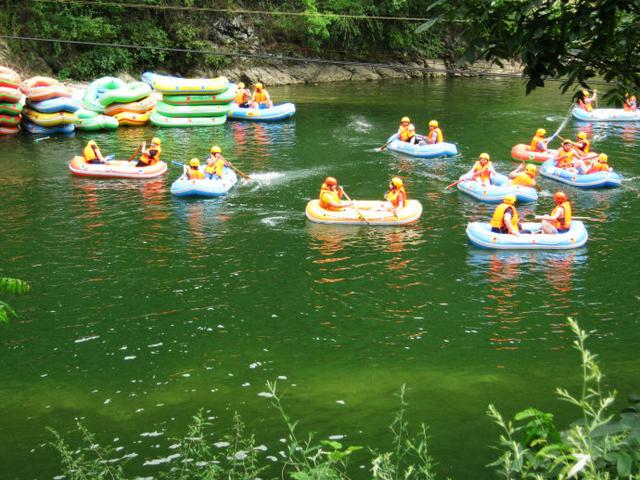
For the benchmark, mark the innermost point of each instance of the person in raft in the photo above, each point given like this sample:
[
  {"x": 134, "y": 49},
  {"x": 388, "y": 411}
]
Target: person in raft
[
  {"x": 601, "y": 164},
  {"x": 524, "y": 175},
  {"x": 434, "y": 135},
  {"x": 243, "y": 96},
  {"x": 586, "y": 101},
  {"x": 538, "y": 142},
  {"x": 505, "y": 217},
  {"x": 193, "y": 172},
  {"x": 559, "y": 221},
  {"x": 331, "y": 195},
  {"x": 150, "y": 156},
  {"x": 261, "y": 98},
  {"x": 215, "y": 164},
  {"x": 92, "y": 154},
  {"x": 564, "y": 158},
  {"x": 396, "y": 197},
  {"x": 481, "y": 170},
  {"x": 407, "y": 131},
  {"x": 630, "y": 103},
  {"x": 582, "y": 145}
]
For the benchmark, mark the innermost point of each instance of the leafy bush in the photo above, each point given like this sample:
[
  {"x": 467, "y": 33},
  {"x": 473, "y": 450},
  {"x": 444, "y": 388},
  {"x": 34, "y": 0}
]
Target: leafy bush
[{"x": 12, "y": 286}]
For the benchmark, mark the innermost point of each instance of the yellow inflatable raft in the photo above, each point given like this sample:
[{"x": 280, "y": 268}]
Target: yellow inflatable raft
[
  {"x": 49, "y": 119},
  {"x": 365, "y": 212},
  {"x": 128, "y": 118}
]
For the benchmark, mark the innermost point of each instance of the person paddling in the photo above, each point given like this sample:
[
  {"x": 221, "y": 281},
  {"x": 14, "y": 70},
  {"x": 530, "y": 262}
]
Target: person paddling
[
  {"x": 243, "y": 96},
  {"x": 396, "y": 196},
  {"x": 505, "y": 217},
  {"x": 193, "y": 172},
  {"x": 92, "y": 154},
  {"x": 331, "y": 195},
  {"x": 150, "y": 156},
  {"x": 539, "y": 142},
  {"x": 407, "y": 131},
  {"x": 215, "y": 164},
  {"x": 524, "y": 175},
  {"x": 261, "y": 98},
  {"x": 601, "y": 164},
  {"x": 481, "y": 170},
  {"x": 630, "y": 103},
  {"x": 559, "y": 221}
]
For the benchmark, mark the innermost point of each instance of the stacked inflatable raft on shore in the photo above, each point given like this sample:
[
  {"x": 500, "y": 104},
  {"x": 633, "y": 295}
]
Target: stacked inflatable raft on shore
[
  {"x": 50, "y": 106},
  {"x": 190, "y": 102},
  {"x": 128, "y": 103}
]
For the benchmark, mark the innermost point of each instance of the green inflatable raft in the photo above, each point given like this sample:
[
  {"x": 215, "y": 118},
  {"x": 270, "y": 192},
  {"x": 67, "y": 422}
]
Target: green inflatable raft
[
  {"x": 187, "y": 111},
  {"x": 181, "y": 122}
]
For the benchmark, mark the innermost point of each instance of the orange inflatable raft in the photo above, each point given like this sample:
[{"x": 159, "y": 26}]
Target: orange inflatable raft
[
  {"x": 523, "y": 152},
  {"x": 115, "y": 169}
]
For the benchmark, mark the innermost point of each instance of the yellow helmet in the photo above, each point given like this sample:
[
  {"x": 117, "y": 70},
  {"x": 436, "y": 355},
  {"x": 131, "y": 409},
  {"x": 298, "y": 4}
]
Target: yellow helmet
[
  {"x": 582, "y": 135},
  {"x": 405, "y": 119},
  {"x": 240, "y": 85},
  {"x": 585, "y": 93},
  {"x": 433, "y": 123},
  {"x": 510, "y": 199},
  {"x": 484, "y": 156},
  {"x": 603, "y": 157},
  {"x": 216, "y": 149},
  {"x": 541, "y": 132},
  {"x": 156, "y": 141},
  {"x": 194, "y": 162},
  {"x": 396, "y": 182},
  {"x": 331, "y": 181},
  {"x": 531, "y": 169},
  {"x": 259, "y": 86}
]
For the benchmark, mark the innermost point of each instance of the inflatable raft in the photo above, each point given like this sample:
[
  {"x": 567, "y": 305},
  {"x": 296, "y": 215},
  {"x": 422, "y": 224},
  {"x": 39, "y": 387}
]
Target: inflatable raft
[
  {"x": 225, "y": 97},
  {"x": 183, "y": 86},
  {"x": 10, "y": 121},
  {"x": 497, "y": 190},
  {"x": 49, "y": 119},
  {"x": 40, "y": 130},
  {"x": 134, "y": 119},
  {"x": 169, "y": 122},
  {"x": 183, "y": 187},
  {"x": 366, "y": 212},
  {"x": 523, "y": 152},
  {"x": 480, "y": 235},
  {"x": 9, "y": 78},
  {"x": 273, "y": 114},
  {"x": 187, "y": 111},
  {"x": 87, "y": 120},
  {"x": 589, "y": 180},
  {"x": 435, "y": 150},
  {"x": 55, "y": 105},
  {"x": 141, "y": 106},
  {"x": 115, "y": 169},
  {"x": 9, "y": 130},
  {"x": 43, "y": 88},
  {"x": 10, "y": 95},
  {"x": 606, "y": 115}
]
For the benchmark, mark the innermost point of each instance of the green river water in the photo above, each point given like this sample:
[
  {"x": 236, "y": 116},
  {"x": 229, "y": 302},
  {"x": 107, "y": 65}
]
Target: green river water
[{"x": 145, "y": 308}]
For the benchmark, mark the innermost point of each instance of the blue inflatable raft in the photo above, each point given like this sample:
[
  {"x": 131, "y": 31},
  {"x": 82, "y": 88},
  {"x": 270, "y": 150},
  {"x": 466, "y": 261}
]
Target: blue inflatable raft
[
  {"x": 273, "y": 114},
  {"x": 589, "y": 180},
  {"x": 480, "y": 235},
  {"x": 434, "y": 150},
  {"x": 55, "y": 105},
  {"x": 38, "y": 130},
  {"x": 498, "y": 189},
  {"x": 605, "y": 115},
  {"x": 205, "y": 188}
]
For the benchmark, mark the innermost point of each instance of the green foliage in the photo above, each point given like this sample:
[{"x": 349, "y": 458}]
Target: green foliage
[
  {"x": 595, "y": 448},
  {"x": 11, "y": 286}
]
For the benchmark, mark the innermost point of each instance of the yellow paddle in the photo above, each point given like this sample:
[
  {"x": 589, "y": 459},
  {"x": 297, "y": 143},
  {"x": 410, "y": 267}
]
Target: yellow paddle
[{"x": 360, "y": 214}]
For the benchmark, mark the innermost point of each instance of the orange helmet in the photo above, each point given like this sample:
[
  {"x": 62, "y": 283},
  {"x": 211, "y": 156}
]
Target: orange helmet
[
  {"x": 330, "y": 181},
  {"x": 559, "y": 197}
]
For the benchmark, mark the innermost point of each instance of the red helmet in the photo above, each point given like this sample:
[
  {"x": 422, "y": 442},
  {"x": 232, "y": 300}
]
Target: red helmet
[
  {"x": 331, "y": 181},
  {"x": 559, "y": 197}
]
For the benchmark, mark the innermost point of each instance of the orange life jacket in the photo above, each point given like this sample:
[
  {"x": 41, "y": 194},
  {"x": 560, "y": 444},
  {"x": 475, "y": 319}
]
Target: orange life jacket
[
  {"x": 564, "y": 159},
  {"x": 598, "y": 167},
  {"x": 195, "y": 174},
  {"x": 242, "y": 96},
  {"x": 261, "y": 96},
  {"x": 524, "y": 179},
  {"x": 631, "y": 104},
  {"x": 435, "y": 136},
  {"x": 535, "y": 144},
  {"x": 327, "y": 195},
  {"x": 216, "y": 168},
  {"x": 564, "y": 222},
  {"x": 484, "y": 176},
  {"x": 407, "y": 133},
  {"x": 497, "y": 220},
  {"x": 397, "y": 195},
  {"x": 151, "y": 158},
  {"x": 583, "y": 145},
  {"x": 89, "y": 153}
]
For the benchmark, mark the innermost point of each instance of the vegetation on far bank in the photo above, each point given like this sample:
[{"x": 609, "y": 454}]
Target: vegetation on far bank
[{"x": 576, "y": 40}]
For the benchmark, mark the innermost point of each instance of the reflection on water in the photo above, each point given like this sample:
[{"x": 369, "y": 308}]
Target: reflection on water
[{"x": 546, "y": 276}]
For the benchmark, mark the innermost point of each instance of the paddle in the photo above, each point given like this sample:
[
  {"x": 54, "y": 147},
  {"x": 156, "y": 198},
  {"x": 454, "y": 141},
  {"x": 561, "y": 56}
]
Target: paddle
[
  {"x": 463, "y": 178},
  {"x": 360, "y": 214},
  {"x": 237, "y": 170},
  {"x": 379, "y": 149},
  {"x": 564, "y": 122}
]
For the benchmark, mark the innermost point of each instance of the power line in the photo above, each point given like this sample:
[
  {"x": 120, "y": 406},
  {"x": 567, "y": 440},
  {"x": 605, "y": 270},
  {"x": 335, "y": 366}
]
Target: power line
[
  {"x": 235, "y": 10},
  {"x": 264, "y": 56}
]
